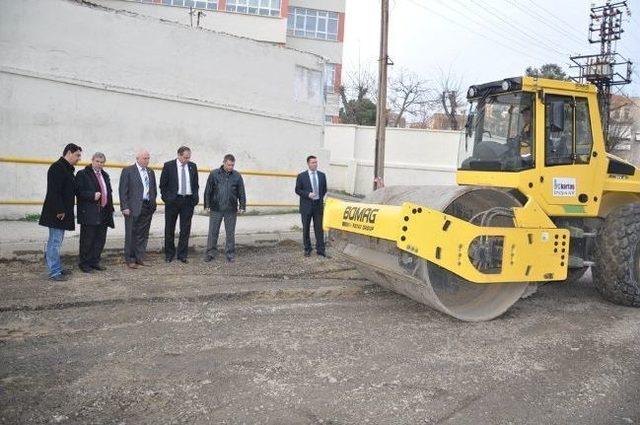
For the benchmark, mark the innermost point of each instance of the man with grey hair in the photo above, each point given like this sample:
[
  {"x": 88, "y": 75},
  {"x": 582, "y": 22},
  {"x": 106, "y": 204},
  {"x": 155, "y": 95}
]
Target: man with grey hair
[
  {"x": 137, "y": 203},
  {"x": 95, "y": 212}
]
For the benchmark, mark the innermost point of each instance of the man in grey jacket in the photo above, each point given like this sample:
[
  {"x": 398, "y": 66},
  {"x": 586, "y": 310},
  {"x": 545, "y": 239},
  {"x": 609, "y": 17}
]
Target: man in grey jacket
[
  {"x": 138, "y": 203},
  {"x": 224, "y": 196}
]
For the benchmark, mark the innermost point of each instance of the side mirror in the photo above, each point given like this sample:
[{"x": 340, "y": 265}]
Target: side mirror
[{"x": 555, "y": 110}]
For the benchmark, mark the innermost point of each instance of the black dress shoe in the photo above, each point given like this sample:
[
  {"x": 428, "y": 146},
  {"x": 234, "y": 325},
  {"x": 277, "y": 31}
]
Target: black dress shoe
[
  {"x": 59, "y": 278},
  {"x": 307, "y": 253},
  {"x": 168, "y": 260},
  {"x": 208, "y": 259},
  {"x": 86, "y": 269},
  {"x": 322, "y": 254},
  {"x": 184, "y": 260},
  {"x": 66, "y": 272},
  {"x": 99, "y": 267}
]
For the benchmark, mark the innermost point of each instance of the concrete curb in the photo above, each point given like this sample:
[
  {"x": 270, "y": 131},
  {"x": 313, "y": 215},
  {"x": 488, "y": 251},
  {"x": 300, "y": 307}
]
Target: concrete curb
[{"x": 34, "y": 250}]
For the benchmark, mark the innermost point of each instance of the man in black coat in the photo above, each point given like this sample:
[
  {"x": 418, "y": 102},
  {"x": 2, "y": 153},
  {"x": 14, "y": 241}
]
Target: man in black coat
[
  {"x": 179, "y": 191},
  {"x": 224, "y": 196},
  {"x": 57, "y": 210},
  {"x": 311, "y": 187},
  {"x": 95, "y": 212}
]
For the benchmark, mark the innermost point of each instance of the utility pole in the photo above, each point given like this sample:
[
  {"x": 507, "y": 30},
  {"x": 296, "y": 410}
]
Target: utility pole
[
  {"x": 601, "y": 69},
  {"x": 381, "y": 107}
]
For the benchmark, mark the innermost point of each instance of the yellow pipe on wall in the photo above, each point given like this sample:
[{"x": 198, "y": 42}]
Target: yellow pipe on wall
[
  {"x": 254, "y": 204},
  {"x": 39, "y": 161}
]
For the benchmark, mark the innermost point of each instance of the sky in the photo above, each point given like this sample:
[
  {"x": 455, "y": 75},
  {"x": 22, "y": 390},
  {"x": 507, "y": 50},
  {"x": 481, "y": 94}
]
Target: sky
[{"x": 479, "y": 40}]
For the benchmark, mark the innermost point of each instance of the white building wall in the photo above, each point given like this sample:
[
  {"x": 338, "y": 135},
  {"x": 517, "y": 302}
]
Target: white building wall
[
  {"x": 412, "y": 156},
  {"x": 113, "y": 82},
  {"x": 331, "y": 5},
  {"x": 332, "y": 50},
  {"x": 263, "y": 28}
]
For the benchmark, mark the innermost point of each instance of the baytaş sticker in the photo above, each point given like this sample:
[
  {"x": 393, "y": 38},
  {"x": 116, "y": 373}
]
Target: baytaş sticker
[{"x": 564, "y": 186}]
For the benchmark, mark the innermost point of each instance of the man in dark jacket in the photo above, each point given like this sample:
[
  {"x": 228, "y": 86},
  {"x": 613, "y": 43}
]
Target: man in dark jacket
[
  {"x": 224, "y": 195},
  {"x": 179, "y": 190},
  {"x": 95, "y": 212},
  {"x": 311, "y": 187},
  {"x": 57, "y": 210}
]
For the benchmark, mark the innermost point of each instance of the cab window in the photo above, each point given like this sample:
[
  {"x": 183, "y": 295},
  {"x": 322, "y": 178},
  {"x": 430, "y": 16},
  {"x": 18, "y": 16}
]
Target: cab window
[
  {"x": 568, "y": 135},
  {"x": 558, "y": 130},
  {"x": 584, "y": 138}
]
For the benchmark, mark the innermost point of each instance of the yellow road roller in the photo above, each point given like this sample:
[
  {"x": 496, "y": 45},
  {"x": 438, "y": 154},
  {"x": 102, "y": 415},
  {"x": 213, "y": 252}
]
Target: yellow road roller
[{"x": 537, "y": 200}]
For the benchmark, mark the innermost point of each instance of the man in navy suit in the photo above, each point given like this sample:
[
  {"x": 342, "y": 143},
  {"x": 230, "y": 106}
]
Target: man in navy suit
[
  {"x": 311, "y": 187},
  {"x": 179, "y": 190}
]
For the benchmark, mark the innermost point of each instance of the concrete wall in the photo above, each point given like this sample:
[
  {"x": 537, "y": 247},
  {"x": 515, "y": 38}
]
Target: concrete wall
[
  {"x": 116, "y": 81},
  {"x": 412, "y": 157},
  {"x": 264, "y": 28}
]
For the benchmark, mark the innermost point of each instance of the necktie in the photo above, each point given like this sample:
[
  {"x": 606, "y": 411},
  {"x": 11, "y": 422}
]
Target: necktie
[
  {"x": 314, "y": 184},
  {"x": 146, "y": 184},
  {"x": 103, "y": 189},
  {"x": 183, "y": 180}
]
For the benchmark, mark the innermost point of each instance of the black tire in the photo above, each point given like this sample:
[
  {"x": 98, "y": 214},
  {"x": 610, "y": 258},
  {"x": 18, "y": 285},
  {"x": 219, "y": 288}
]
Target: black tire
[{"x": 616, "y": 272}]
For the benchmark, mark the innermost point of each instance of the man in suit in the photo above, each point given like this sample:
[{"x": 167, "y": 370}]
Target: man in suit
[
  {"x": 179, "y": 191},
  {"x": 224, "y": 196},
  {"x": 138, "y": 203},
  {"x": 57, "y": 210},
  {"x": 311, "y": 187},
  {"x": 95, "y": 212}
]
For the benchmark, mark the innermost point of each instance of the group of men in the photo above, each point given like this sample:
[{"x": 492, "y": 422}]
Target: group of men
[{"x": 224, "y": 198}]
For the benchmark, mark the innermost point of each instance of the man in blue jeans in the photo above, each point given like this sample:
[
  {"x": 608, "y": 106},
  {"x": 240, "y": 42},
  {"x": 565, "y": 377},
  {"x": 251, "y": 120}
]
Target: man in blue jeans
[{"x": 57, "y": 210}]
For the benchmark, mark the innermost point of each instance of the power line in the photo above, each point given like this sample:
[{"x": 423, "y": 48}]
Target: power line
[
  {"x": 538, "y": 39},
  {"x": 523, "y": 44},
  {"x": 496, "y": 13},
  {"x": 511, "y": 31},
  {"x": 466, "y": 28},
  {"x": 557, "y": 18},
  {"x": 542, "y": 20}
]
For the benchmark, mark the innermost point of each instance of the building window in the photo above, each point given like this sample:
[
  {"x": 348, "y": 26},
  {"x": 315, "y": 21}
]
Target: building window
[
  {"x": 255, "y": 7},
  {"x": 198, "y": 4},
  {"x": 329, "y": 77},
  {"x": 312, "y": 23}
]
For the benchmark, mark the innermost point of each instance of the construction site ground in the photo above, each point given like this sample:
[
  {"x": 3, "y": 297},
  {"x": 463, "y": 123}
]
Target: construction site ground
[{"x": 277, "y": 338}]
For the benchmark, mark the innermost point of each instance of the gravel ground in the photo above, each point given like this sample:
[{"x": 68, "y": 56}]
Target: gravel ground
[{"x": 278, "y": 338}]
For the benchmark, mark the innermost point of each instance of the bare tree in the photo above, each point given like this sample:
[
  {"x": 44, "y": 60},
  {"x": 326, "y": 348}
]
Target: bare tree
[
  {"x": 407, "y": 94},
  {"x": 449, "y": 97},
  {"x": 423, "y": 116},
  {"x": 620, "y": 122},
  {"x": 358, "y": 98}
]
